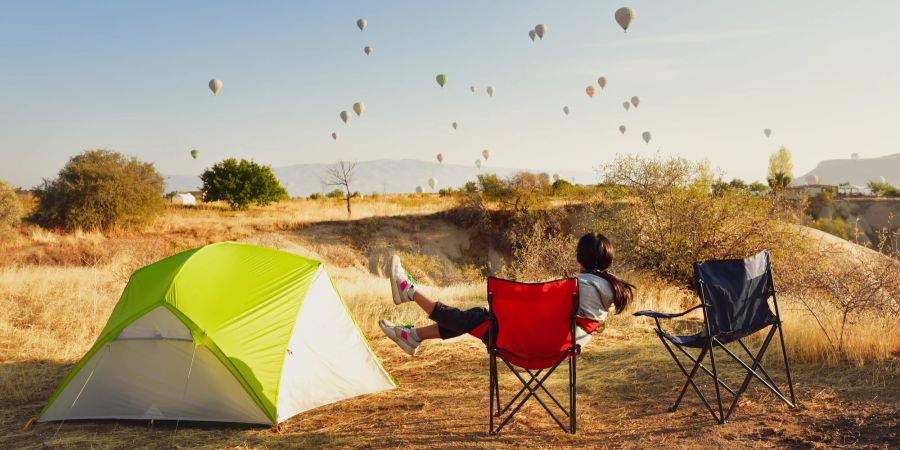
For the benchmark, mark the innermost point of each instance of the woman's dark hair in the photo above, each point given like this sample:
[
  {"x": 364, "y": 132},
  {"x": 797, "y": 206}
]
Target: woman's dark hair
[{"x": 595, "y": 253}]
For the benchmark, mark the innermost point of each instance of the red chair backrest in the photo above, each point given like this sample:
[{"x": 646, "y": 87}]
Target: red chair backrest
[{"x": 534, "y": 320}]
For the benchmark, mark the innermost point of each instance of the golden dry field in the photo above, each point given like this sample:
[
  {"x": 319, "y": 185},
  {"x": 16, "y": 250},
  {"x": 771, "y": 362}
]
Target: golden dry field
[{"x": 57, "y": 290}]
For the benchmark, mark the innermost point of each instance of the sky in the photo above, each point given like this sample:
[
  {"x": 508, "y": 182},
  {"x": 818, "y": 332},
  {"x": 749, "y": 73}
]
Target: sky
[{"x": 711, "y": 75}]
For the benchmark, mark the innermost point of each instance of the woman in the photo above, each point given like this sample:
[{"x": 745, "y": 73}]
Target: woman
[{"x": 598, "y": 290}]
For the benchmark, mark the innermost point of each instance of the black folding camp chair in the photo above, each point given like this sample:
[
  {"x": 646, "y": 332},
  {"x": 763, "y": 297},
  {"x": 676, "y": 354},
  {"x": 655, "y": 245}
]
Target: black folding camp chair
[
  {"x": 532, "y": 331},
  {"x": 734, "y": 299}
]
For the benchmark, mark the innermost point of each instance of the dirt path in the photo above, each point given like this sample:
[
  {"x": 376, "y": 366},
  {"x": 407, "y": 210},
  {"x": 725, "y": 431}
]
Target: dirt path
[{"x": 625, "y": 387}]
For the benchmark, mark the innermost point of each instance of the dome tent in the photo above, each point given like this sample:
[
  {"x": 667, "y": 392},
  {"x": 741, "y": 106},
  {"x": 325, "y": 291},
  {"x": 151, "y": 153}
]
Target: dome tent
[{"x": 227, "y": 333}]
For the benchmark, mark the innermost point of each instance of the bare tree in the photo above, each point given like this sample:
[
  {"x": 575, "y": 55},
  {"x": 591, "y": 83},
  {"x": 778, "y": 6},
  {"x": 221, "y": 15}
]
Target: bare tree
[{"x": 342, "y": 175}]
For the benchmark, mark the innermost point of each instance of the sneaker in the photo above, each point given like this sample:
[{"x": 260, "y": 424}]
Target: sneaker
[
  {"x": 402, "y": 283},
  {"x": 401, "y": 334}
]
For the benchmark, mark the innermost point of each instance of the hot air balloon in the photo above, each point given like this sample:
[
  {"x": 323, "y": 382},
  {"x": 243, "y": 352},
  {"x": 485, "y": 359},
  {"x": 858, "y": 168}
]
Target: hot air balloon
[
  {"x": 555, "y": 177},
  {"x": 622, "y": 129},
  {"x": 440, "y": 158},
  {"x": 811, "y": 179},
  {"x": 362, "y": 24},
  {"x": 602, "y": 82},
  {"x": 368, "y": 50},
  {"x": 490, "y": 91},
  {"x": 590, "y": 90},
  {"x": 334, "y": 136},
  {"x": 441, "y": 79},
  {"x": 646, "y": 136},
  {"x": 539, "y": 30},
  {"x": 486, "y": 153},
  {"x": 472, "y": 88},
  {"x": 478, "y": 163},
  {"x": 566, "y": 109},
  {"x": 194, "y": 154},
  {"x": 454, "y": 125},
  {"x": 215, "y": 86},
  {"x": 531, "y": 34},
  {"x": 345, "y": 116},
  {"x": 419, "y": 190},
  {"x": 626, "y": 105},
  {"x": 767, "y": 132},
  {"x": 432, "y": 182},
  {"x": 359, "y": 108},
  {"x": 624, "y": 17},
  {"x": 635, "y": 101}
]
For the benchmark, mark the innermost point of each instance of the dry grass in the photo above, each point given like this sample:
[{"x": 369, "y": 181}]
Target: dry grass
[{"x": 51, "y": 313}]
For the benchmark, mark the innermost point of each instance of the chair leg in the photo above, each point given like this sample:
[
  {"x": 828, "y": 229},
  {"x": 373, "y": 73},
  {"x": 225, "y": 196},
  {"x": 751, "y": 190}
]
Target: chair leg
[
  {"x": 787, "y": 366},
  {"x": 690, "y": 379},
  {"x": 572, "y": 392},
  {"x": 531, "y": 393},
  {"x": 761, "y": 368},
  {"x": 712, "y": 357},
  {"x": 751, "y": 373},
  {"x": 707, "y": 371},
  {"x": 697, "y": 363},
  {"x": 491, "y": 392},
  {"x": 534, "y": 376}
]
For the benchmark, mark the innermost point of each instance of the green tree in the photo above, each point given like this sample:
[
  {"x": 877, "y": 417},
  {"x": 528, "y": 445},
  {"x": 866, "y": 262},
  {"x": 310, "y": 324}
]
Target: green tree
[
  {"x": 758, "y": 188},
  {"x": 883, "y": 189},
  {"x": 336, "y": 193},
  {"x": 241, "y": 183},
  {"x": 101, "y": 189},
  {"x": 10, "y": 207}
]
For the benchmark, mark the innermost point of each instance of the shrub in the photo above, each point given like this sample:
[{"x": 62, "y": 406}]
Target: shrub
[
  {"x": 241, "y": 183},
  {"x": 883, "y": 189},
  {"x": 315, "y": 196},
  {"x": 837, "y": 227},
  {"x": 541, "y": 251},
  {"x": 101, "y": 189},
  {"x": 337, "y": 193},
  {"x": 519, "y": 193},
  {"x": 10, "y": 207},
  {"x": 673, "y": 219}
]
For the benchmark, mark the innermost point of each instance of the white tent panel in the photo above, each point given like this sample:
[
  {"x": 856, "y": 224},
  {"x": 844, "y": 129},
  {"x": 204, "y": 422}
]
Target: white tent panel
[
  {"x": 327, "y": 359},
  {"x": 153, "y": 371},
  {"x": 159, "y": 323}
]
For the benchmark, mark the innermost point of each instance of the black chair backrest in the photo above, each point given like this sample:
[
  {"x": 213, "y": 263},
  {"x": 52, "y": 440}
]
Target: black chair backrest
[{"x": 736, "y": 292}]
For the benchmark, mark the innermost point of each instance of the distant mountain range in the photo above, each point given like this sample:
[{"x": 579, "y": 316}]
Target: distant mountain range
[
  {"x": 859, "y": 172},
  {"x": 383, "y": 175}
]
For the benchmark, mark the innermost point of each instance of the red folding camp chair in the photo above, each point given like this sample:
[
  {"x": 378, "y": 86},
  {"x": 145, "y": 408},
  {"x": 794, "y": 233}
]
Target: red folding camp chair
[{"x": 532, "y": 327}]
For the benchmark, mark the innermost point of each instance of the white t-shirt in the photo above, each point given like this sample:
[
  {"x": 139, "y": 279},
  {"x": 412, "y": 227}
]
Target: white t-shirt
[{"x": 595, "y": 296}]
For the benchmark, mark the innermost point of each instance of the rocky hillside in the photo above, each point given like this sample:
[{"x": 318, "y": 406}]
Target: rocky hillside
[{"x": 859, "y": 172}]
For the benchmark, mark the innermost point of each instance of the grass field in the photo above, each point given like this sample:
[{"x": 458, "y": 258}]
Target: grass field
[{"x": 56, "y": 292}]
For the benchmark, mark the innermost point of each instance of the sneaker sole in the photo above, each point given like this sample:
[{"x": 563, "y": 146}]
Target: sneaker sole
[
  {"x": 403, "y": 344},
  {"x": 395, "y": 268}
]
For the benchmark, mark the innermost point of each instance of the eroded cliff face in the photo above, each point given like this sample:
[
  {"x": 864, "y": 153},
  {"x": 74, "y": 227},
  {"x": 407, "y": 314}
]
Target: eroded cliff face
[{"x": 870, "y": 215}]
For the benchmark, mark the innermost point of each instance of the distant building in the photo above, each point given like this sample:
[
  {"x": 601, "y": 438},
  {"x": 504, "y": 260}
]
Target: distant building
[
  {"x": 184, "y": 199},
  {"x": 808, "y": 190}
]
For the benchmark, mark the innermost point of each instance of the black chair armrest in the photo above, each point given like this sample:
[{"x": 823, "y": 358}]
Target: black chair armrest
[{"x": 659, "y": 315}]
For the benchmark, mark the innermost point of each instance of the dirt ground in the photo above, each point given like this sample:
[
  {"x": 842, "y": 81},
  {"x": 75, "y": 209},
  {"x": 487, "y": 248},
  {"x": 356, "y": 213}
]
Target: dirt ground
[{"x": 625, "y": 388}]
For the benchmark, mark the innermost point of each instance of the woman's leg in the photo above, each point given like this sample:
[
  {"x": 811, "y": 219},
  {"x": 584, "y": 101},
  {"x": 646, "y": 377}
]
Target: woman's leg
[
  {"x": 428, "y": 332},
  {"x": 424, "y": 302}
]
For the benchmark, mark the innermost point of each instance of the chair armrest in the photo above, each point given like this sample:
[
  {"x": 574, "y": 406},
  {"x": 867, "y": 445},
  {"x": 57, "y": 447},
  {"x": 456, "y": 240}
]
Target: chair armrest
[{"x": 659, "y": 315}]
